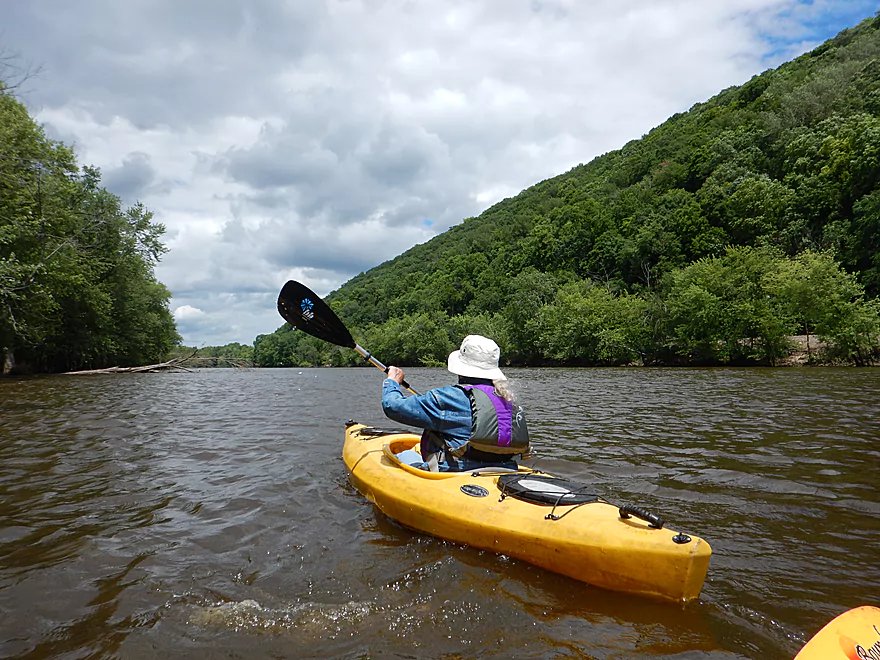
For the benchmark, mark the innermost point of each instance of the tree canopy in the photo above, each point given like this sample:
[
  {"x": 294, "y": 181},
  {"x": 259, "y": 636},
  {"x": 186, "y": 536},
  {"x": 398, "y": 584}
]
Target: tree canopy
[
  {"x": 77, "y": 285},
  {"x": 749, "y": 218}
]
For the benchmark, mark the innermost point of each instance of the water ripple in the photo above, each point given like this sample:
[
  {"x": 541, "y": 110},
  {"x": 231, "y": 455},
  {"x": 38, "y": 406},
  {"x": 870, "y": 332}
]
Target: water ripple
[{"x": 209, "y": 514}]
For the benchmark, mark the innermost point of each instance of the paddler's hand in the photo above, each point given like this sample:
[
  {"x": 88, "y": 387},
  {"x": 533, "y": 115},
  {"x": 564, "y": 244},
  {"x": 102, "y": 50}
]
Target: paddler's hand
[{"x": 395, "y": 374}]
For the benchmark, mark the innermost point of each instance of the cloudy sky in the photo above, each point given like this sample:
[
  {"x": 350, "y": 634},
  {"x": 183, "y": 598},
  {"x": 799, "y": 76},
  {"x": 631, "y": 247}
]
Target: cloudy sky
[{"x": 315, "y": 139}]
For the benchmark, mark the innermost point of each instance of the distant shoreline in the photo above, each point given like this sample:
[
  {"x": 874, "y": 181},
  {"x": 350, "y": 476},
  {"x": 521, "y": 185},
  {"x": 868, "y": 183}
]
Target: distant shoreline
[{"x": 799, "y": 356}]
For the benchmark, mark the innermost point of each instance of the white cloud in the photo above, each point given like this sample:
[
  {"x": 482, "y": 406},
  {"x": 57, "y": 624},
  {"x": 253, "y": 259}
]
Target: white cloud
[
  {"x": 317, "y": 138},
  {"x": 188, "y": 313}
]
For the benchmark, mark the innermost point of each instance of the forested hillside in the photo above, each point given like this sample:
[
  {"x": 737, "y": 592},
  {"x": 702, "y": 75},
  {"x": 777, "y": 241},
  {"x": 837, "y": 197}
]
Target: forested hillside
[
  {"x": 77, "y": 288},
  {"x": 749, "y": 218}
]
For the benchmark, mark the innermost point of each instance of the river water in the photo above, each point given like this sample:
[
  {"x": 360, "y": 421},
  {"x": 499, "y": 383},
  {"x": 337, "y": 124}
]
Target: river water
[{"x": 209, "y": 515}]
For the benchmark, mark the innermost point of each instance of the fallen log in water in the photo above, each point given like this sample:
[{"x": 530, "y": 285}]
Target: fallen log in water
[
  {"x": 170, "y": 365},
  {"x": 175, "y": 364}
]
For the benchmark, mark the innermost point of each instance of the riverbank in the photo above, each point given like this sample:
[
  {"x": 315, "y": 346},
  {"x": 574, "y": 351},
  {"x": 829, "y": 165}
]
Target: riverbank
[{"x": 806, "y": 350}]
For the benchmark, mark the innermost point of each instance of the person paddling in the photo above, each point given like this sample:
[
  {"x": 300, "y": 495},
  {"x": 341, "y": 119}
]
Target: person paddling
[{"x": 474, "y": 424}]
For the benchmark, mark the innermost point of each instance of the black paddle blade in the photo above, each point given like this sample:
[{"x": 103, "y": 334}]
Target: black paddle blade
[{"x": 300, "y": 307}]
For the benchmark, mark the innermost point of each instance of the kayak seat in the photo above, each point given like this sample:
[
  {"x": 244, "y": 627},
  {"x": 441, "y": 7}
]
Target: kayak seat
[
  {"x": 410, "y": 457},
  {"x": 395, "y": 447},
  {"x": 403, "y": 444}
]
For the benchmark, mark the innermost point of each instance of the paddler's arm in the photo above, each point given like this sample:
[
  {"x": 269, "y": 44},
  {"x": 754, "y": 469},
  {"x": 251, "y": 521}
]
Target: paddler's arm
[{"x": 406, "y": 410}]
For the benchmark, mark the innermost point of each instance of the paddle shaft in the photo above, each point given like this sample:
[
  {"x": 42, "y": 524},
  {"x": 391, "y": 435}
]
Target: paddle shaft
[{"x": 369, "y": 357}]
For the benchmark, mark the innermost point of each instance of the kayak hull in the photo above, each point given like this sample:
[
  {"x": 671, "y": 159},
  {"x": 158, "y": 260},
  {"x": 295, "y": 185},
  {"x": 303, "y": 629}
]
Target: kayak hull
[
  {"x": 590, "y": 543},
  {"x": 853, "y": 635}
]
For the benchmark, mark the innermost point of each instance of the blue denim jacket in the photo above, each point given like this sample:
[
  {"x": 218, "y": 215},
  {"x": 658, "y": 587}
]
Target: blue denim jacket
[{"x": 446, "y": 410}]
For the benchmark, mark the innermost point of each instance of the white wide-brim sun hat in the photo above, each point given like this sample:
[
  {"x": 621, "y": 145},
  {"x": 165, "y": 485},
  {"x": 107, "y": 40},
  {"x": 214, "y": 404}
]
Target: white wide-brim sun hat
[{"x": 477, "y": 358}]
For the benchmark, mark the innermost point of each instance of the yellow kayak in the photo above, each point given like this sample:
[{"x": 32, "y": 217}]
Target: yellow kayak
[
  {"x": 854, "y": 635},
  {"x": 615, "y": 548}
]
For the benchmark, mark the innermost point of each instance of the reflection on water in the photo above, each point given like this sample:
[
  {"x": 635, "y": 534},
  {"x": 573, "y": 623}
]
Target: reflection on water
[{"x": 209, "y": 514}]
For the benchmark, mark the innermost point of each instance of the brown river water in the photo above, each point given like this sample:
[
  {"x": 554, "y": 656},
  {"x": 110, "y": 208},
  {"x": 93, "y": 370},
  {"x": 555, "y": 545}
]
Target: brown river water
[{"x": 209, "y": 515}]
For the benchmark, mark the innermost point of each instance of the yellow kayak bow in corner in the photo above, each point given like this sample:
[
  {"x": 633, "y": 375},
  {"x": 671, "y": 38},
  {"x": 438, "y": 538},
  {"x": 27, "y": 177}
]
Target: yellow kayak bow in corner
[
  {"x": 596, "y": 543},
  {"x": 854, "y": 635}
]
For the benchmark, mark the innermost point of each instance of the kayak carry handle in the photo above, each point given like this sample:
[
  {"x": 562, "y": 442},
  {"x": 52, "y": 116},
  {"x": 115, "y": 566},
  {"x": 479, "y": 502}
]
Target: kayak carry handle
[{"x": 628, "y": 510}]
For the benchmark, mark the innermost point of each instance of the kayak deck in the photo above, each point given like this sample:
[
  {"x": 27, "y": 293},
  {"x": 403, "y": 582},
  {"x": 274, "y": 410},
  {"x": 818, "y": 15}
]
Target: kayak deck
[
  {"x": 852, "y": 635},
  {"x": 589, "y": 542}
]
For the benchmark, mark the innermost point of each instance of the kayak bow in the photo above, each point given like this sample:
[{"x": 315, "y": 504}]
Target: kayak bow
[{"x": 854, "y": 635}]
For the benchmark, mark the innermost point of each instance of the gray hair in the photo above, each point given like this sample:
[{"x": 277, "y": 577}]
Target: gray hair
[{"x": 502, "y": 389}]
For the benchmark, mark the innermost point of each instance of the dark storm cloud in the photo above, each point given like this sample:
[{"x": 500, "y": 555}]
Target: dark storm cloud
[
  {"x": 305, "y": 251},
  {"x": 387, "y": 171},
  {"x": 163, "y": 62},
  {"x": 278, "y": 161},
  {"x": 131, "y": 179},
  {"x": 399, "y": 155},
  {"x": 316, "y": 245}
]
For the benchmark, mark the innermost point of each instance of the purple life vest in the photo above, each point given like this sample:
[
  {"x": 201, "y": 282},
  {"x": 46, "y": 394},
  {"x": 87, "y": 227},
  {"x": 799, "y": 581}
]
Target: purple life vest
[{"x": 499, "y": 426}]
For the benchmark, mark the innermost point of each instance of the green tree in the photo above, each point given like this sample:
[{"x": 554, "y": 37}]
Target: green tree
[
  {"x": 586, "y": 324},
  {"x": 721, "y": 309},
  {"x": 827, "y": 301},
  {"x": 412, "y": 339},
  {"x": 528, "y": 293},
  {"x": 77, "y": 286}
]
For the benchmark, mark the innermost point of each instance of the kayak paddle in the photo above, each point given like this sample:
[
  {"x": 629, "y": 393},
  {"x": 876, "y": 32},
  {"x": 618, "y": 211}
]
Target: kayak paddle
[{"x": 300, "y": 307}]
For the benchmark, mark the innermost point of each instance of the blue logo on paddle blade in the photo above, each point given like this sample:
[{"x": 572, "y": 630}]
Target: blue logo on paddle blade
[{"x": 307, "y": 306}]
